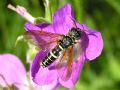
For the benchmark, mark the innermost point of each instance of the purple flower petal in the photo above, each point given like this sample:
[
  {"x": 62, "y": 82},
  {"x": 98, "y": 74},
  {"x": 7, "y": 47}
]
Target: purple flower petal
[
  {"x": 44, "y": 26},
  {"x": 30, "y": 26},
  {"x": 94, "y": 42},
  {"x": 43, "y": 76},
  {"x": 95, "y": 45},
  {"x": 12, "y": 70},
  {"x": 36, "y": 63},
  {"x": 76, "y": 70},
  {"x": 46, "y": 77},
  {"x": 62, "y": 21}
]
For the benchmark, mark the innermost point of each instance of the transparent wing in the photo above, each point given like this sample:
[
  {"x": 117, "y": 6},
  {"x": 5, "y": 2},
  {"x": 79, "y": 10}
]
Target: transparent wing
[
  {"x": 64, "y": 65},
  {"x": 42, "y": 39}
]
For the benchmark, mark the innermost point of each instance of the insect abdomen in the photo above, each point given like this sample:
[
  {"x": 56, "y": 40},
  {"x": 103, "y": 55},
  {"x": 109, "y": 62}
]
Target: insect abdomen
[{"x": 52, "y": 56}]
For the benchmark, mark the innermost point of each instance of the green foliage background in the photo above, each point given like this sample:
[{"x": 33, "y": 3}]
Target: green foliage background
[{"x": 102, "y": 15}]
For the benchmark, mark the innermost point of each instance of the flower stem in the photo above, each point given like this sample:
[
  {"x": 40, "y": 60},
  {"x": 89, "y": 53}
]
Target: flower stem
[{"x": 48, "y": 15}]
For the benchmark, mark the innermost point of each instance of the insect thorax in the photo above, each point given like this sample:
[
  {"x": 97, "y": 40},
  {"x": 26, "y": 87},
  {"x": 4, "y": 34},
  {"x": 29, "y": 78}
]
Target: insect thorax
[{"x": 66, "y": 42}]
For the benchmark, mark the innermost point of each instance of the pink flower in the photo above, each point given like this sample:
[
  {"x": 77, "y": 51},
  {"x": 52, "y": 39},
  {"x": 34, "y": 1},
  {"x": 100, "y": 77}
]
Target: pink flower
[
  {"x": 12, "y": 71},
  {"x": 91, "y": 44},
  {"x": 13, "y": 74}
]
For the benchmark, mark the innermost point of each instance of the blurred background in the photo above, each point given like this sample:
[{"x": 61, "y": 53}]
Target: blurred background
[{"x": 102, "y": 15}]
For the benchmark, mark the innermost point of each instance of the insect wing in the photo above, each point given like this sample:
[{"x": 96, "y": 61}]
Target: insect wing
[
  {"x": 42, "y": 39},
  {"x": 64, "y": 65}
]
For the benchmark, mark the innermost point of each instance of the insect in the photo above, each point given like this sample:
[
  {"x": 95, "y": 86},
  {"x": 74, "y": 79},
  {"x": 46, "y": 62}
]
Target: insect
[{"x": 62, "y": 48}]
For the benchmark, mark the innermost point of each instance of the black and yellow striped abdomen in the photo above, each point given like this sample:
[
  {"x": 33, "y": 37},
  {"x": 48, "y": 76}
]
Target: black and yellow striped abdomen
[{"x": 54, "y": 54}]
